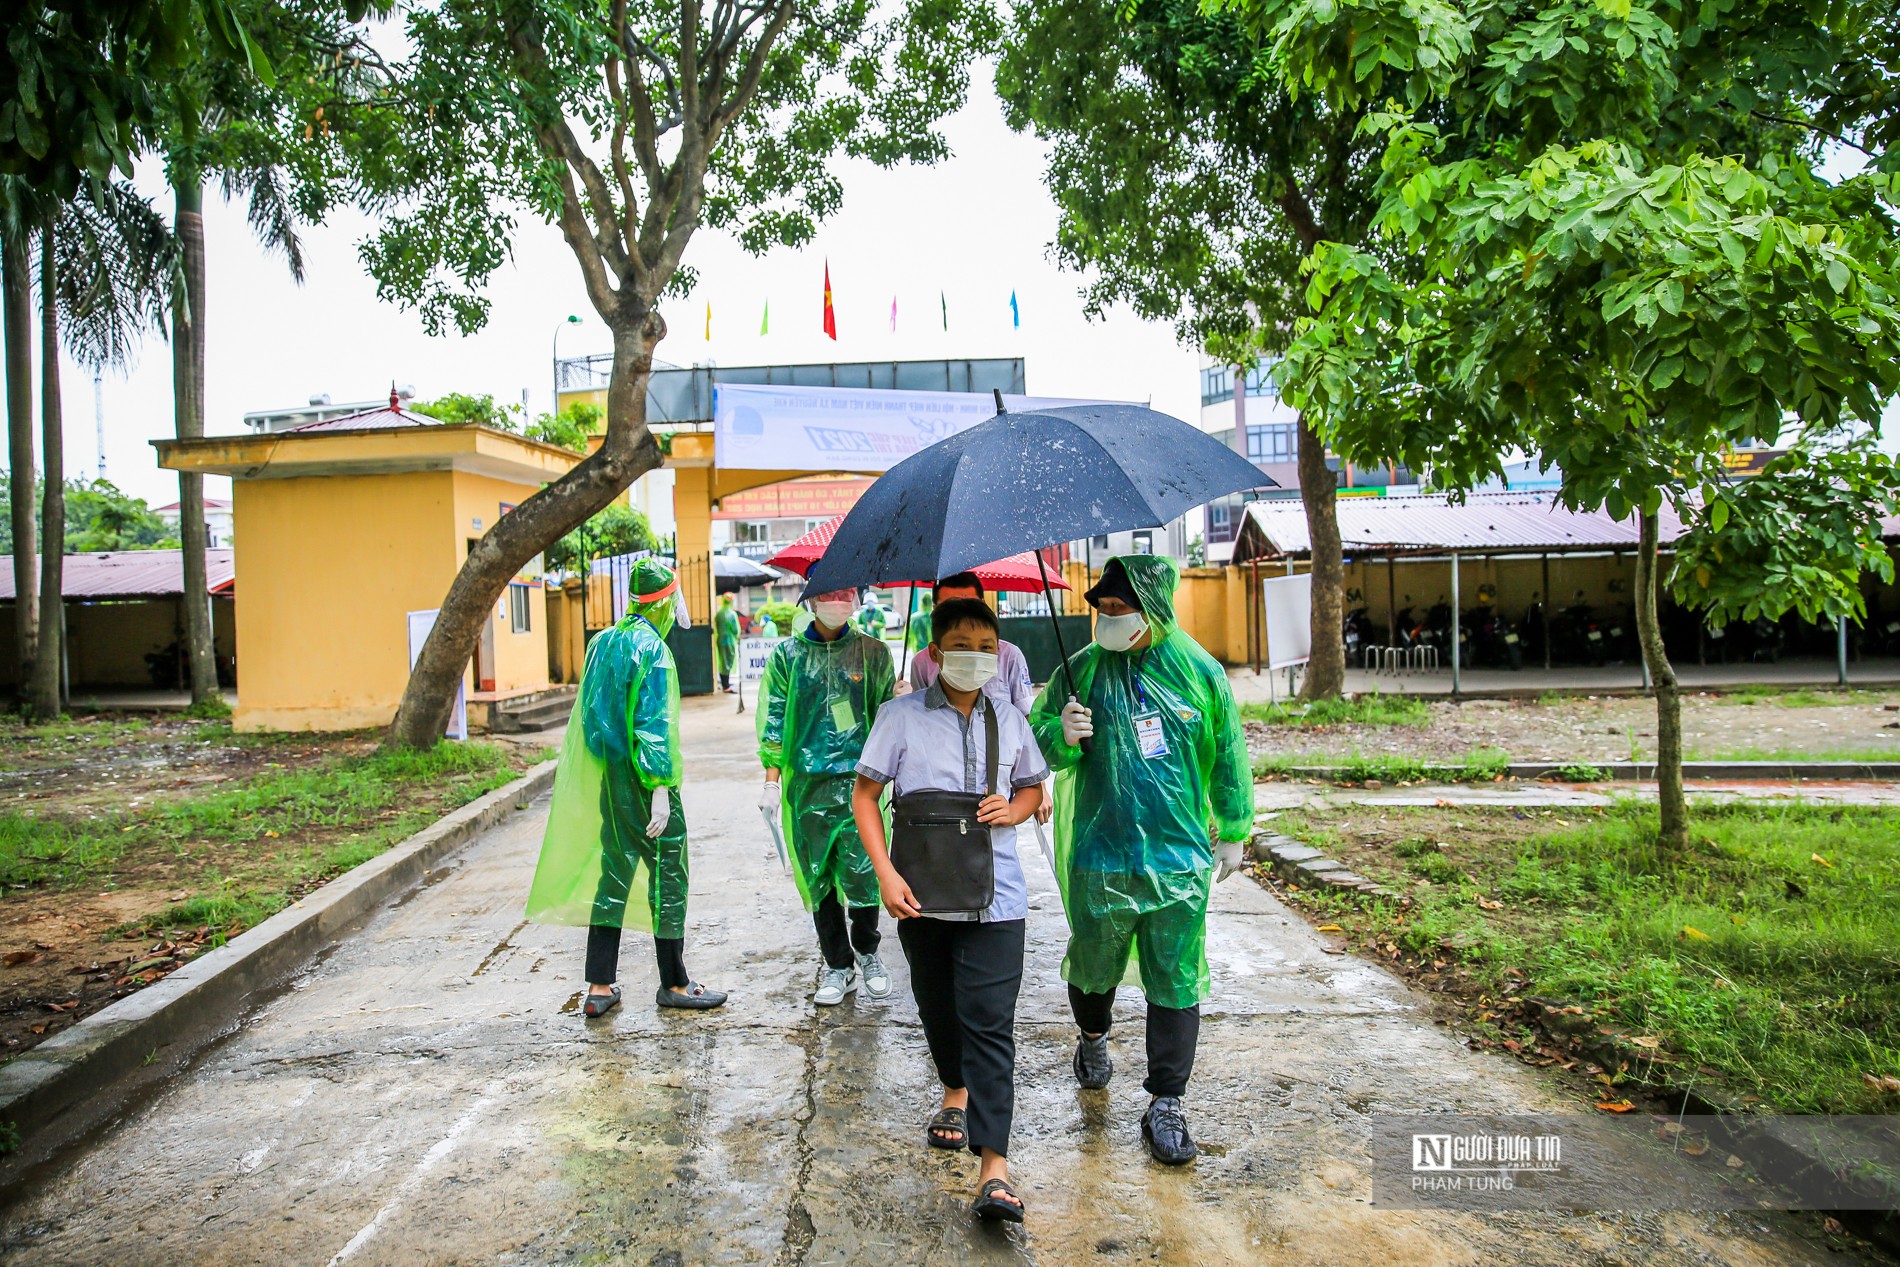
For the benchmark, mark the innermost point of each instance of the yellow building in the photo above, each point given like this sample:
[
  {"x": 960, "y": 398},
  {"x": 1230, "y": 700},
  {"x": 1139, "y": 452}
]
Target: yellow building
[{"x": 346, "y": 526}]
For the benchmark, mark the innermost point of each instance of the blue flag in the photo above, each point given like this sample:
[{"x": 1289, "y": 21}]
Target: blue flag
[{"x": 1015, "y": 313}]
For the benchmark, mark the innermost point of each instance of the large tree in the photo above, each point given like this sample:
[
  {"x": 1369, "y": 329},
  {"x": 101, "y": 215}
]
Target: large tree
[
  {"x": 1195, "y": 189},
  {"x": 1631, "y": 264},
  {"x": 631, "y": 126}
]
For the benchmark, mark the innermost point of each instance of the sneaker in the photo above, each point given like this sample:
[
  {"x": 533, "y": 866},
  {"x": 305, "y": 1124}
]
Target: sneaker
[
  {"x": 1093, "y": 1068},
  {"x": 833, "y": 985},
  {"x": 1165, "y": 1128},
  {"x": 874, "y": 975}
]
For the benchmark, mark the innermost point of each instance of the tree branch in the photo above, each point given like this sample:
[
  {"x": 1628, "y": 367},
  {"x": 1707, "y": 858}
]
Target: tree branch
[{"x": 754, "y": 70}]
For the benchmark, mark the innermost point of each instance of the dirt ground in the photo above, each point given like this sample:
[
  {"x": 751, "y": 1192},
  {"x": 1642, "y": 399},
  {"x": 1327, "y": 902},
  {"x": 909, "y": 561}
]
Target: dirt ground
[
  {"x": 1612, "y": 728},
  {"x": 69, "y": 949}
]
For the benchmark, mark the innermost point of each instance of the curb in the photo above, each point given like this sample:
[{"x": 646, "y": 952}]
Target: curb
[
  {"x": 81, "y": 1075},
  {"x": 1308, "y": 867},
  {"x": 1640, "y": 771}
]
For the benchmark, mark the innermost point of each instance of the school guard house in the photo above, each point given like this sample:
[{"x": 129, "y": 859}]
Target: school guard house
[{"x": 343, "y": 528}]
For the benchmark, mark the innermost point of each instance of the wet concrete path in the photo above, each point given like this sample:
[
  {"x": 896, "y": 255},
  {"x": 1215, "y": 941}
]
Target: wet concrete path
[{"x": 427, "y": 1094}]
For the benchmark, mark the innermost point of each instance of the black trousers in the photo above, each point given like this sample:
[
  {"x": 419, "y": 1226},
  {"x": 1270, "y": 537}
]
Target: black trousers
[
  {"x": 603, "y": 957},
  {"x": 1173, "y": 1033},
  {"x": 834, "y": 942},
  {"x": 965, "y": 977}
]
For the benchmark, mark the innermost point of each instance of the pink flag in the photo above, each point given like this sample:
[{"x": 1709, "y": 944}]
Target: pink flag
[{"x": 893, "y": 314}]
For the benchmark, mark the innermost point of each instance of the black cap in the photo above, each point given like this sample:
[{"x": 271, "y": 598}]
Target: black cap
[{"x": 1114, "y": 584}]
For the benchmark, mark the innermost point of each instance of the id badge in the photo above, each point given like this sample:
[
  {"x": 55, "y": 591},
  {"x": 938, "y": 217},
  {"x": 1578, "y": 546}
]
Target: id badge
[
  {"x": 1148, "y": 735},
  {"x": 843, "y": 716}
]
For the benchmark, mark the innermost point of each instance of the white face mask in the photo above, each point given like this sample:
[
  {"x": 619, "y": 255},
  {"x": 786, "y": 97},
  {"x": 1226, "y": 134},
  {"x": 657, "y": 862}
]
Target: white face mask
[
  {"x": 832, "y": 615},
  {"x": 1119, "y": 633},
  {"x": 968, "y": 670}
]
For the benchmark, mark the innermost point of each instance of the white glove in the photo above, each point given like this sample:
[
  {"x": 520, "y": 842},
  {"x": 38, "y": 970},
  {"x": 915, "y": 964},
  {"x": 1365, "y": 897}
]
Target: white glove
[
  {"x": 1229, "y": 857},
  {"x": 662, "y": 810},
  {"x": 903, "y": 687},
  {"x": 1077, "y": 723},
  {"x": 768, "y": 797}
]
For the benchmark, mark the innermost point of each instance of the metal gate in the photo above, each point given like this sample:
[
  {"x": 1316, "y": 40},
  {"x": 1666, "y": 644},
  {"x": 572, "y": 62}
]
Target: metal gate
[{"x": 604, "y": 601}]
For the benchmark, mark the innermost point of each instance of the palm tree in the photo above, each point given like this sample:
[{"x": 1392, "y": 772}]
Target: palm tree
[
  {"x": 16, "y": 301},
  {"x": 105, "y": 269}
]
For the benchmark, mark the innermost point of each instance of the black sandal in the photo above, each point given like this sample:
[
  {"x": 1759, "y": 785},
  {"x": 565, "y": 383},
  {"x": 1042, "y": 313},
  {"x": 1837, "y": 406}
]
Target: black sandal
[
  {"x": 948, "y": 1120},
  {"x": 990, "y": 1206}
]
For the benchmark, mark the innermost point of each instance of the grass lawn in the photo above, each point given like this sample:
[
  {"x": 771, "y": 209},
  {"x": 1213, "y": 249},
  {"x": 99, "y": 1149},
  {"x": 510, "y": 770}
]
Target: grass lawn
[
  {"x": 1765, "y": 959},
  {"x": 1483, "y": 765},
  {"x": 128, "y": 847},
  {"x": 1369, "y": 709}
]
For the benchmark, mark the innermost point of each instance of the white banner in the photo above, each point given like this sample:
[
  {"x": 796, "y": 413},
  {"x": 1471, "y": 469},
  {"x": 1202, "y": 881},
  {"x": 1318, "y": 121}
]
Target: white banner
[
  {"x": 1289, "y": 604},
  {"x": 844, "y": 428}
]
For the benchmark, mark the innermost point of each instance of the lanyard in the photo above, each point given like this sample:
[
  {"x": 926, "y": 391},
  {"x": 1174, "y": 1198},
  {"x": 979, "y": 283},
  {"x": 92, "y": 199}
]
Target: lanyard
[{"x": 1141, "y": 692}]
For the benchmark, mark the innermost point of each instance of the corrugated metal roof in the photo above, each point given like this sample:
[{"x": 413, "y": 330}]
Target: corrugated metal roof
[
  {"x": 131, "y": 574},
  {"x": 390, "y": 415},
  {"x": 1484, "y": 523}
]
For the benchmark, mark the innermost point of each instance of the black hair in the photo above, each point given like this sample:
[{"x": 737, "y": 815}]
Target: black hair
[
  {"x": 961, "y": 581},
  {"x": 954, "y": 612}
]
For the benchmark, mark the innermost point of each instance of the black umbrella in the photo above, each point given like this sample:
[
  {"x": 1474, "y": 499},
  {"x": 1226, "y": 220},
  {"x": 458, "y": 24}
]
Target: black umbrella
[{"x": 1023, "y": 481}]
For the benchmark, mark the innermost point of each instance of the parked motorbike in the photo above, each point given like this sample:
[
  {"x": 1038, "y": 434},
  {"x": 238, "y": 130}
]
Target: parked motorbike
[{"x": 1494, "y": 642}]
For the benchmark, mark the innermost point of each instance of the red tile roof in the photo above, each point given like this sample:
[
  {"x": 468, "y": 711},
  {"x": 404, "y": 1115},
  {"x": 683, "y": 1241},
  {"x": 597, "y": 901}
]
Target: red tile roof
[{"x": 131, "y": 574}]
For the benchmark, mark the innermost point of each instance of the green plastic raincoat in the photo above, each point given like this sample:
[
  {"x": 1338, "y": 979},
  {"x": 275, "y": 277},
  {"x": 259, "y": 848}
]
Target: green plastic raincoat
[
  {"x": 815, "y": 710},
  {"x": 622, "y": 743},
  {"x": 726, "y": 635},
  {"x": 1134, "y": 832}
]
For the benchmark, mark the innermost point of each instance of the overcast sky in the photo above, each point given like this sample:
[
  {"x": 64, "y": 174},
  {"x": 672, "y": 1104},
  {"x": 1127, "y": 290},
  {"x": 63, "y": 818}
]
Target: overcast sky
[{"x": 976, "y": 227}]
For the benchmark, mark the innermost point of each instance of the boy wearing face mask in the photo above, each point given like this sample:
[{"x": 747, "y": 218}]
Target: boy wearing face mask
[
  {"x": 1146, "y": 820},
  {"x": 822, "y": 689},
  {"x": 966, "y": 967}
]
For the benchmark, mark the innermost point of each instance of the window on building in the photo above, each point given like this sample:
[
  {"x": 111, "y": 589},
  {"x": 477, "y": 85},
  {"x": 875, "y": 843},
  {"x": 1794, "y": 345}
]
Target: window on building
[
  {"x": 751, "y": 530},
  {"x": 519, "y": 611},
  {"x": 1279, "y": 442},
  {"x": 1099, "y": 543},
  {"x": 1217, "y": 383},
  {"x": 1260, "y": 378},
  {"x": 1144, "y": 542}
]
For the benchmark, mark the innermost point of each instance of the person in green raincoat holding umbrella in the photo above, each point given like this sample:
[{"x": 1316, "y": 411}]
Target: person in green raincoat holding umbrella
[
  {"x": 822, "y": 689},
  {"x": 1146, "y": 819},
  {"x": 726, "y": 641},
  {"x": 614, "y": 855}
]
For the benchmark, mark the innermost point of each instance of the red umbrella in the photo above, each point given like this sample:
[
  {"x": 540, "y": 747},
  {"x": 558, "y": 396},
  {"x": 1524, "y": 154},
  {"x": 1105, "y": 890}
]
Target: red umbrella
[{"x": 1018, "y": 574}]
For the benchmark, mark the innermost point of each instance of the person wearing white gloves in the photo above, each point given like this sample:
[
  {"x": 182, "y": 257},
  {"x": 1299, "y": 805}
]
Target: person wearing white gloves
[{"x": 614, "y": 854}]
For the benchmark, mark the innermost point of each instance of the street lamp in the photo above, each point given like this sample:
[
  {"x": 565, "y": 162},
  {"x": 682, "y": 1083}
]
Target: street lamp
[{"x": 554, "y": 407}]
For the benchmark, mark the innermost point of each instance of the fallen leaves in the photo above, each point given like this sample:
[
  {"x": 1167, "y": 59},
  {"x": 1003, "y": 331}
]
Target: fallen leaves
[
  {"x": 1329, "y": 928},
  {"x": 1691, "y": 933},
  {"x": 25, "y": 958},
  {"x": 1884, "y": 1084},
  {"x": 1817, "y": 858},
  {"x": 1616, "y": 1106}
]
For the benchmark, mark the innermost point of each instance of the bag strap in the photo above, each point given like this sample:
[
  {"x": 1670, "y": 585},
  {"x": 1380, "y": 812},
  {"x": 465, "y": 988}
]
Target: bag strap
[{"x": 989, "y": 733}]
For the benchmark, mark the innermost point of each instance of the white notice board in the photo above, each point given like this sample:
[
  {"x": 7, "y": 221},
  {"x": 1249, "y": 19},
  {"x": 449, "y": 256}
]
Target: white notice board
[
  {"x": 420, "y": 623},
  {"x": 1289, "y": 619},
  {"x": 753, "y": 653}
]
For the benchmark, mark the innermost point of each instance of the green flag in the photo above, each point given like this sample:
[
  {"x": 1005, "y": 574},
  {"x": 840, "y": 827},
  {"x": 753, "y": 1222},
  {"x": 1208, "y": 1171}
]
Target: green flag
[
  {"x": 945, "y": 304},
  {"x": 765, "y": 319}
]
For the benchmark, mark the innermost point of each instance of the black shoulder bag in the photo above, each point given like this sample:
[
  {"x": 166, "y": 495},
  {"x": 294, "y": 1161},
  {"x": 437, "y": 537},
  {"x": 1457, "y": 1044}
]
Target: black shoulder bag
[{"x": 940, "y": 848}]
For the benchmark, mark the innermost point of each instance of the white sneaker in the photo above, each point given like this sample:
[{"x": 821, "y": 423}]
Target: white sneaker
[
  {"x": 833, "y": 985},
  {"x": 876, "y": 978}
]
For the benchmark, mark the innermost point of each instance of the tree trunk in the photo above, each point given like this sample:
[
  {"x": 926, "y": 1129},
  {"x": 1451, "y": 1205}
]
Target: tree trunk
[
  {"x": 1326, "y": 669},
  {"x": 1674, "y": 807},
  {"x": 627, "y": 452},
  {"x": 16, "y": 306},
  {"x": 43, "y": 697},
  {"x": 188, "y": 421}
]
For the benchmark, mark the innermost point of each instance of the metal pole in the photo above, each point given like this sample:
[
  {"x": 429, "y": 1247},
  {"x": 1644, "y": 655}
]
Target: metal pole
[
  {"x": 1256, "y": 610},
  {"x": 1391, "y": 601},
  {"x": 99, "y": 419},
  {"x": 1456, "y": 677},
  {"x": 1546, "y": 611},
  {"x": 1840, "y": 651},
  {"x": 554, "y": 403},
  {"x": 910, "y": 609}
]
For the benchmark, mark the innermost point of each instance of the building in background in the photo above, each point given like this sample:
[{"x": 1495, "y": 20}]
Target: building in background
[
  {"x": 218, "y": 521},
  {"x": 1272, "y": 444},
  {"x": 320, "y": 409}
]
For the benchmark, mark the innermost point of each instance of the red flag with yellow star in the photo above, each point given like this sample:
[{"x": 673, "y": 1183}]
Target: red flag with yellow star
[{"x": 831, "y": 316}]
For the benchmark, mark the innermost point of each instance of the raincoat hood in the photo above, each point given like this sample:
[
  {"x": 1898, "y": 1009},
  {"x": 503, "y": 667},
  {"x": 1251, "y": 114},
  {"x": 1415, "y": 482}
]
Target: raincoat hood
[
  {"x": 1154, "y": 580},
  {"x": 651, "y": 590}
]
